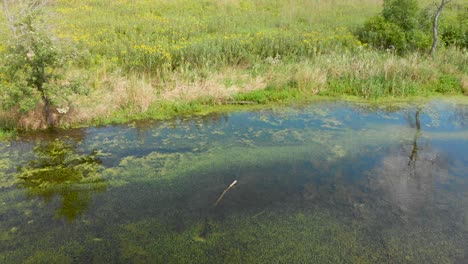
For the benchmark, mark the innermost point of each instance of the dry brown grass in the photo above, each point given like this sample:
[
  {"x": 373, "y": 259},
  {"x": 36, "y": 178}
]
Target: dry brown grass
[
  {"x": 464, "y": 84},
  {"x": 135, "y": 94},
  {"x": 310, "y": 78},
  {"x": 8, "y": 119},
  {"x": 33, "y": 120},
  {"x": 132, "y": 94},
  {"x": 214, "y": 87}
]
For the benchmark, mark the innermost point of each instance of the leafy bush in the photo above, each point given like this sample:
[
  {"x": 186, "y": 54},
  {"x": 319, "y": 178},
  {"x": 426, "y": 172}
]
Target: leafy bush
[
  {"x": 454, "y": 28},
  {"x": 383, "y": 34},
  {"x": 448, "y": 84},
  {"x": 398, "y": 28},
  {"x": 402, "y": 13},
  {"x": 404, "y": 27}
]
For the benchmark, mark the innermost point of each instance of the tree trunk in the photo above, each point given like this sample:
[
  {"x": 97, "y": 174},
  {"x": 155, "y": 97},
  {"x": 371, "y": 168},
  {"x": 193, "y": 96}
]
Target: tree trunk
[
  {"x": 47, "y": 106},
  {"x": 48, "y": 113},
  {"x": 435, "y": 25}
]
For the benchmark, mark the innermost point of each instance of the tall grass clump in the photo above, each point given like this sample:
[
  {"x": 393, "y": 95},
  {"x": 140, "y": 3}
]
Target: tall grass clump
[{"x": 372, "y": 74}]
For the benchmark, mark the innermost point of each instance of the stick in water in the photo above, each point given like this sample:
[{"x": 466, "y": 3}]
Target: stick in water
[{"x": 225, "y": 191}]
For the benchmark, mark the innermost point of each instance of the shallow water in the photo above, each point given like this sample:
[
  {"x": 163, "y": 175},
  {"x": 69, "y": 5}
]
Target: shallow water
[{"x": 326, "y": 183}]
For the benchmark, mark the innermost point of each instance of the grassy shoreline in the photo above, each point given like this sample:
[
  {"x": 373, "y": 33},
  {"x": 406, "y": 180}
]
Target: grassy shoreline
[
  {"x": 201, "y": 108},
  {"x": 184, "y": 57},
  {"x": 366, "y": 76}
]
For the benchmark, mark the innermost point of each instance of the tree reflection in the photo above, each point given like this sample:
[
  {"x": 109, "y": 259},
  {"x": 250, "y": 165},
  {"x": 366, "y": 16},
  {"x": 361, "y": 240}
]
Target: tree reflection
[
  {"x": 408, "y": 179},
  {"x": 414, "y": 152},
  {"x": 59, "y": 170}
]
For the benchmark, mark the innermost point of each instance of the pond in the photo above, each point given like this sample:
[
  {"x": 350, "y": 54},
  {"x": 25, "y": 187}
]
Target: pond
[{"x": 331, "y": 182}]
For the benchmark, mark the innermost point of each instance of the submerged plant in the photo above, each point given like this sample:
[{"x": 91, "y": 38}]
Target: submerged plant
[{"x": 59, "y": 171}]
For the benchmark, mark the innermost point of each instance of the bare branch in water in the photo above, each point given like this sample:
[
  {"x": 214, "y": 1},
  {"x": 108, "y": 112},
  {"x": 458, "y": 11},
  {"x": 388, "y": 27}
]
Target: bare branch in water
[{"x": 225, "y": 191}]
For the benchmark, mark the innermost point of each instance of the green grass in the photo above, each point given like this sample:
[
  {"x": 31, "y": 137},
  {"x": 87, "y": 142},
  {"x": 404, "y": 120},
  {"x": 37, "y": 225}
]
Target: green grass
[
  {"x": 133, "y": 54},
  {"x": 6, "y": 134}
]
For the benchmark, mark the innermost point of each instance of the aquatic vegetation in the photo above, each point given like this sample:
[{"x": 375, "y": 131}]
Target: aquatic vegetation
[
  {"x": 8, "y": 163},
  {"x": 298, "y": 237},
  {"x": 329, "y": 182},
  {"x": 59, "y": 171}
]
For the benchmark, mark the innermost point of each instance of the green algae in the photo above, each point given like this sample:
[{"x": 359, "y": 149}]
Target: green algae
[
  {"x": 299, "y": 237},
  {"x": 57, "y": 170},
  {"x": 312, "y": 187},
  {"x": 295, "y": 145}
]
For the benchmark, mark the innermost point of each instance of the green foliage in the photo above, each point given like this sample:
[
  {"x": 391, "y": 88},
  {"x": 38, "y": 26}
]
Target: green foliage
[
  {"x": 271, "y": 94},
  {"x": 399, "y": 27},
  {"x": 402, "y": 13},
  {"x": 29, "y": 63},
  {"x": 377, "y": 86},
  {"x": 59, "y": 170},
  {"x": 5, "y": 134},
  {"x": 372, "y": 87},
  {"x": 213, "y": 52},
  {"x": 189, "y": 35},
  {"x": 454, "y": 27},
  {"x": 448, "y": 84},
  {"x": 418, "y": 40},
  {"x": 33, "y": 64},
  {"x": 383, "y": 34}
]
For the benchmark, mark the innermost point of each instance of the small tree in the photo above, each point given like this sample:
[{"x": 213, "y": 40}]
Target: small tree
[{"x": 32, "y": 61}]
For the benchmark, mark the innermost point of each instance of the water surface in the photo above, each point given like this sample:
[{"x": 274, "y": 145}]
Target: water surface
[{"x": 325, "y": 183}]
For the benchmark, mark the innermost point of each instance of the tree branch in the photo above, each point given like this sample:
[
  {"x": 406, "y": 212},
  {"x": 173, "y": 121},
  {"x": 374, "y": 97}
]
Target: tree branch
[{"x": 11, "y": 20}]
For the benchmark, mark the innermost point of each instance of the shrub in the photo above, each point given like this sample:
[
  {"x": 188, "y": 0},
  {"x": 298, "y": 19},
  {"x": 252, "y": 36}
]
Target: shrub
[
  {"x": 383, "y": 34},
  {"x": 448, "y": 84},
  {"x": 402, "y": 13},
  {"x": 397, "y": 28},
  {"x": 454, "y": 28}
]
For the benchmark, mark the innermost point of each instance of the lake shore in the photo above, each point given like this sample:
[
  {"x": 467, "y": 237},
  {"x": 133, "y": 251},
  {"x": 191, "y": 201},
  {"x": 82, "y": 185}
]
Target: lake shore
[
  {"x": 172, "y": 59},
  {"x": 201, "y": 108}
]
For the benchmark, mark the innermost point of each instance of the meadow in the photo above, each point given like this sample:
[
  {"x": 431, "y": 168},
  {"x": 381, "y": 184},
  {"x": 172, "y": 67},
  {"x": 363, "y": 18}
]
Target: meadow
[{"x": 160, "y": 58}]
